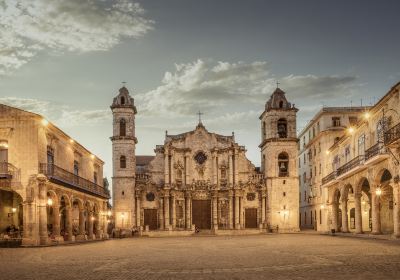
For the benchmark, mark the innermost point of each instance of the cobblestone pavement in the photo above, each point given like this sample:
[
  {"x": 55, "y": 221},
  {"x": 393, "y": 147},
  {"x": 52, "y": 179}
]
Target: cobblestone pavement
[{"x": 286, "y": 256}]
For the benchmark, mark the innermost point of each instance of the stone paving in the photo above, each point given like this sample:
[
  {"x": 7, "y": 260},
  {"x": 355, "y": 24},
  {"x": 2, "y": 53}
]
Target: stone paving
[{"x": 285, "y": 256}]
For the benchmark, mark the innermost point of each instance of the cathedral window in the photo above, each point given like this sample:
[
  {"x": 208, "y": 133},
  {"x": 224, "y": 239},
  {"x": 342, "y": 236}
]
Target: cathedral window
[
  {"x": 122, "y": 127},
  {"x": 150, "y": 196},
  {"x": 122, "y": 162},
  {"x": 283, "y": 164},
  {"x": 200, "y": 157},
  {"x": 282, "y": 128}
]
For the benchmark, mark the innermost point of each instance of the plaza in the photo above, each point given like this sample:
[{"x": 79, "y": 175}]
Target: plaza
[{"x": 266, "y": 256}]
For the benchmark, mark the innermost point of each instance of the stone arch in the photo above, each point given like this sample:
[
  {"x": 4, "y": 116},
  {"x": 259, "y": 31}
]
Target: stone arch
[
  {"x": 77, "y": 215},
  {"x": 64, "y": 210},
  {"x": 384, "y": 201},
  {"x": 363, "y": 205},
  {"x": 283, "y": 164},
  {"x": 122, "y": 127},
  {"x": 282, "y": 128},
  {"x": 53, "y": 217}
]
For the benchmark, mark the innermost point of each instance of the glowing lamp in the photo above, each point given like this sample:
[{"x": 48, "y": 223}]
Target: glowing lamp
[
  {"x": 378, "y": 191},
  {"x": 49, "y": 202},
  {"x": 44, "y": 122},
  {"x": 14, "y": 210}
]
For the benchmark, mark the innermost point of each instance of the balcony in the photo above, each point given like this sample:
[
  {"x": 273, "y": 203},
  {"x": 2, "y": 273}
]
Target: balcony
[
  {"x": 350, "y": 165},
  {"x": 9, "y": 171},
  {"x": 392, "y": 135},
  {"x": 329, "y": 178},
  {"x": 63, "y": 177}
]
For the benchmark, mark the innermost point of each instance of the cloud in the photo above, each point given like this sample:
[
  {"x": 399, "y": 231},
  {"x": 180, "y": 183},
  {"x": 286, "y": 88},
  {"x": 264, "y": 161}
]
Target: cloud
[
  {"x": 231, "y": 87},
  {"x": 59, "y": 114},
  {"x": 29, "y": 27}
]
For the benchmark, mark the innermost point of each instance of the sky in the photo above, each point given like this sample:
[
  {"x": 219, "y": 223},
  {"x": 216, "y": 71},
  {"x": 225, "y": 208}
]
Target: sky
[{"x": 66, "y": 60}]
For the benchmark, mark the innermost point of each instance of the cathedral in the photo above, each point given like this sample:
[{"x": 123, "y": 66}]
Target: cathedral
[{"x": 202, "y": 181}]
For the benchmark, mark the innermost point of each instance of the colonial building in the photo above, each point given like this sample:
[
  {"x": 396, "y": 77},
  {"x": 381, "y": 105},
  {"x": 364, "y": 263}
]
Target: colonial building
[
  {"x": 200, "y": 179},
  {"x": 51, "y": 187},
  {"x": 362, "y": 173},
  {"x": 325, "y": 128}
]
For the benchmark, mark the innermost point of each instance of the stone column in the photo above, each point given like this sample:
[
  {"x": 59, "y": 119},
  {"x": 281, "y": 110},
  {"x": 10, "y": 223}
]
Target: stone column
[
  {"x": 357, "y": 203},
  {"x": 230, "y": 214},
  {"x": 97, "y": 226},
  {"x": 161, "y": 213},
  {"x": 90, "y": 225},
  {"x": 82, "y": 222},
  {"x": 230, "y": 178},
  {"x": 173, "y": 210},
  {"x": 263, "y": 209},
  {"x": 215, "y": 210},
  {"x": 29, "y": 224},
  {"x": 172, "y": 169},
  {"x": 68, "y": 218},
  {"x": 166, "y": 211},
  {"x": 187, "y": 211},
  {"x": 335, "y": 216},
  {"x": 396, "y": 209},
  {"x": 345, "y": 220},
  {"x": 236, "y": 167},
  {"x": 237, "y": 221},
  {"x": 43, "y": 235},
  {"x": 166, "y": 168},
  {"x": 375, "y": 213},
  {"x": 241, "y": 209},
  {"x": 56, "y": 220},
  {"x": 138, "y": 210}
]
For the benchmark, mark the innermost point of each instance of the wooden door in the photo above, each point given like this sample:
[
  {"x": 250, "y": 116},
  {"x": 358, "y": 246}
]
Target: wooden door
[
  {"x": 201, "y": 213},
  {"x": 251, "y": 218},
  {"x": 150, "y": 218}
]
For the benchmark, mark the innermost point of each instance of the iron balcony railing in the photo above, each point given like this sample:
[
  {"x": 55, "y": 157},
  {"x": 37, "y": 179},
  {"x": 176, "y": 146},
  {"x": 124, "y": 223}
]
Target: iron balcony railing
[
  {"x": 9, "y": 171},
  {"x": 68, "y": 179},
  {"x": 350, "y": 165},
  {"x": 329, "y": 178},
  {"x": 392, "y": 134},
  {"x": 373, "y": 151}
]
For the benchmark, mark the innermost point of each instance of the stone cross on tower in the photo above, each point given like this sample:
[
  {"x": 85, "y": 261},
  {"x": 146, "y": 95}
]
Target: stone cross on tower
[{"x": 200, "y": 113}]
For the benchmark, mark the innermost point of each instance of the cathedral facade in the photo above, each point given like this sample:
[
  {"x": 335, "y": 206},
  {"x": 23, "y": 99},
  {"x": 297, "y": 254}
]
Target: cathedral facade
[{"x": 202, "y": 181}]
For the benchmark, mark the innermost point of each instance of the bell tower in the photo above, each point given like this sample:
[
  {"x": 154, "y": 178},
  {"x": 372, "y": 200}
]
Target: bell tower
[
  {"x": 279, "y": 162},
  {"x": 124, "y": 160}
]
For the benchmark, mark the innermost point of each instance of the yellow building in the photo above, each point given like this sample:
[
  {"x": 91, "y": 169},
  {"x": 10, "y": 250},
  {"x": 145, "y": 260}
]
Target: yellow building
[{"x": 51, "y": 187}]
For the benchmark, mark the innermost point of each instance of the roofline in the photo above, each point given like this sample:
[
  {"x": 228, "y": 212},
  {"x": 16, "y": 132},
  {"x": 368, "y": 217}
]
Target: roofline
[{"x": 38, "y": 116}]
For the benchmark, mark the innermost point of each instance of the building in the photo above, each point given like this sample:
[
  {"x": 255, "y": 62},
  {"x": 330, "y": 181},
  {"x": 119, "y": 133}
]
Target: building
[
  {"x": 362, "y": 173},
  {"x": 199, "y": 179},
  {"x": 325, "y": 128},
  {"x": 51, "y": 187}
]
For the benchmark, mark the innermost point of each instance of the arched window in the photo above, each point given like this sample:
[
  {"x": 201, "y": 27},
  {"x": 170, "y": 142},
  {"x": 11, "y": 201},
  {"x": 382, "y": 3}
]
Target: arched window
[
  {"x": 122, "y": 162},
  {"x": 283, "y": 164},
  {"x": 280, "y": 104},
  {"x": 122, "y": 100},
  {"x": 264, "y": 132},
  {"x": 282, "y": 128},
  {"x": 122, "y": 127}
]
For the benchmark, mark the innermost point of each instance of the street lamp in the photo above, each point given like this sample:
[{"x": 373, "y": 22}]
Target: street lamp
[
  {"x": 49, "y": 202},
  {"x": 378, "y": 191},
  {"x": 14, "y": 210}
]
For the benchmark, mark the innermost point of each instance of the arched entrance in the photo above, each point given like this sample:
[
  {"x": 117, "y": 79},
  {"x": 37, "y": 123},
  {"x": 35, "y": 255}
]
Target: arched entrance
[
  {"x": 11, "y": 214},
  {"x": 384, "y": 196}
]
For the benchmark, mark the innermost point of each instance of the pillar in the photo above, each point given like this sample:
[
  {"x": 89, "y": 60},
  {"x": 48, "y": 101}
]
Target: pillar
[
  {"x": 43, "y": 236},
  {"x": 335, "y": 214},
  {"x": 230, "y": 169},
  {"x": 166, "y": 211},
  {"x": 396, "y": 209},
  {"x": 375, "y": 213},
  {"x": 241, "y": 209},
  {"x": 357, "y": 203},
  {"x": 187, "y": 212},
  {"x": 56, "y": 220},
  {"x": 263, "y": 210},
  {"x": 29, "y": 220},
  {"x": 215, "y": 210},
  {"x": 68, "y": 217},
  {"x": 173, "y": 210},
  {"x": 82, "y": 222},
  {"x": 237, "y": 221},
  {"x": 138, "y": 208},
  {"x": 161, "y": 213},
  {"x": 230, "y": 214},
  {"x": 166, "y": 168},
  {"x": 345, "y": 220},
  {"x": 90, "y": 225}
]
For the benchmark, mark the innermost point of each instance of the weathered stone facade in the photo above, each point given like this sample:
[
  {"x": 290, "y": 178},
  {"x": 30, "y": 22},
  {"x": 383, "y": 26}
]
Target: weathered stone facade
[
  {"x": 203, "y": 180},
  {"x": 362, "y": 179},
  {"x": 51, "y": 187}
]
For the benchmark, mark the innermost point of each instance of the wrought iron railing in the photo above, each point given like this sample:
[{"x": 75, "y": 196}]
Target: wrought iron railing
[
  {"x": 9, "y": 171},
  {"x": 62, "y": 176},
  {"x": 350, "y": 165},
  {"x": 329, "y": 178},
  {"x": 392, "y": 134},
  {"x": 373, "y": 151}
]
